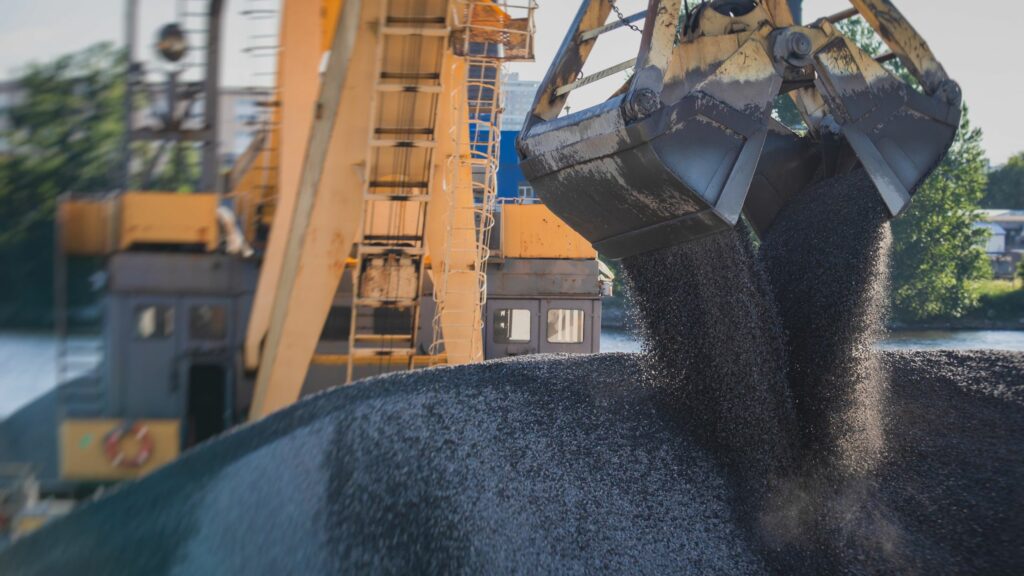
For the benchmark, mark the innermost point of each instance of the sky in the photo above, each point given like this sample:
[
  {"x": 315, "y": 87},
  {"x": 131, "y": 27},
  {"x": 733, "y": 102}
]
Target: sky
[{"x": 973, "y": 41}]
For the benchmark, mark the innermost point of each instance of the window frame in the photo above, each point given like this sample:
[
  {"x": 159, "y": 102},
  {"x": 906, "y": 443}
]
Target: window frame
[
  {"x": 511, "y": 319},
  {"x": 581, "y": 314},
  {"x": 164, "y": 325}
]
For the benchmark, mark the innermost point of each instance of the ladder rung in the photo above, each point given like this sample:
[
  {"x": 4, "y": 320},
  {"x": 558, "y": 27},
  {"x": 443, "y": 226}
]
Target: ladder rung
[
  {"x": 410, "y": 75},
  {"x": 416, "y": 20},
  {"x": 403, "y": 143},
  {"x": 408, "y": 88},
  {"x": 393, "y": 131},
  {"x": 381, "y": 184},
  {"x": 396, "y": 197},
  {"x": 390, "y": 250},
  {"x": 413, "y": 31},
  {"x": 383, "y": 337},
  {"x": 393, "y": 238},
  {"x": 378, "y": 303},
  {"x": 384, "y": 352}
]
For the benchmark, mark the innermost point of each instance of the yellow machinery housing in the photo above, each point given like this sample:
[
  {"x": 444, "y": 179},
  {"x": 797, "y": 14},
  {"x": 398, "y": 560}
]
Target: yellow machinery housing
[{"x": 101, "y": 226}]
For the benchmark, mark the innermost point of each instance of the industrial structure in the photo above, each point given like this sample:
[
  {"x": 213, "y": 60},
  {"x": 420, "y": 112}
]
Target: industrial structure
[{"x": 360, "y": 233}]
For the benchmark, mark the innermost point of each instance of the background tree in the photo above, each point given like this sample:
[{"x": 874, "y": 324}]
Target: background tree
[
  {"x": 65, "y": 136},
  {"x": 1006, "y": 185},
  {"x": 938, "y": 252}
]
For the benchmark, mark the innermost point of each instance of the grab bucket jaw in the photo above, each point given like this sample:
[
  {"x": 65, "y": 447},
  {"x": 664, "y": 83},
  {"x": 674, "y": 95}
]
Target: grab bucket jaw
[{"x": 689, "y": 145}]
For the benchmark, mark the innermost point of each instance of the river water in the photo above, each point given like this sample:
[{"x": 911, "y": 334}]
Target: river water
[
  {"x": 28, "y": 360},
  {"x": 623, "y": 341}
]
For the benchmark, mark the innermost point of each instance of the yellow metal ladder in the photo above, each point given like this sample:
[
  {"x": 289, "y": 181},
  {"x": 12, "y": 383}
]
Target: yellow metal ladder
[{"x": 390, "y": 252}]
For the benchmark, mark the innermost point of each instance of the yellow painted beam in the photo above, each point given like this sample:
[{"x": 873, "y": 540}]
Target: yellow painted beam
[
  {"x": 327, "y": 211},
  {"x": 904, "y": 41},
  {"x": 419, "y": 361},
  {"x": 328, "y": 17},
  {"x": 298, "y": 84}
]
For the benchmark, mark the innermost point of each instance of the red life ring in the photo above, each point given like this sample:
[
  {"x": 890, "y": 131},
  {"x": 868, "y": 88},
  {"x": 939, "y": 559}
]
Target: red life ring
[{"x": 115, "y": 453}]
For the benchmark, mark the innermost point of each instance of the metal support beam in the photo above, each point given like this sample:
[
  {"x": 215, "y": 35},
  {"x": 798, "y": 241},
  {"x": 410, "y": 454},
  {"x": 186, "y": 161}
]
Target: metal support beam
[
  {"x": 298, "y": 81},
  {"x": 130, "y": 26},
  {"x": 326, "y": 217},
  {"x": 210, "y": 182}
]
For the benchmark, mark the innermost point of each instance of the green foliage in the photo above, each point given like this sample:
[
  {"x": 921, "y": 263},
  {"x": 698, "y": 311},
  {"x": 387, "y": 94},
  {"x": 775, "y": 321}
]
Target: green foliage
[
  {"x": 938, "y": 252},
  {"x": 999, "y": 300},
  {"x": 1020, "y": 271},
  {"x": 66, "y": 136},
  {"x": 1006, "y": 185}
]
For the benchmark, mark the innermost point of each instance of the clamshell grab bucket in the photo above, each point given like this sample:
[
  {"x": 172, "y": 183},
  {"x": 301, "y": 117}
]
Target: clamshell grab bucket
[{"x": 689, "y": 144}]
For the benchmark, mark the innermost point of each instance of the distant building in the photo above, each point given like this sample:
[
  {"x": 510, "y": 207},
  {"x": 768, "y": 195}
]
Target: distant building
[
  {"x": 1005, "y": 246},
  {"x": 996, "y": 239},
  {"x": 518, "y": 103},
  {"x": 518, "y": 95}
]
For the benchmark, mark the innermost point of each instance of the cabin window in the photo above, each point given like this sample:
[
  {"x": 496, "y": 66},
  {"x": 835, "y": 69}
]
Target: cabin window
[
  {"x": 512, "y": 326},
  {"x": 154, "y": 322},
  {"x": 565, "y": 326},
  {"x": 207, "y": 322}
]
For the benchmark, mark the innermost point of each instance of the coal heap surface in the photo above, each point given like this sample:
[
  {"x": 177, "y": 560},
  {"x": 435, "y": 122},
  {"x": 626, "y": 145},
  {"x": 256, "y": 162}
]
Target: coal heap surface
[
  {"x": 546, "y": 464},
  {"x": 532, "y": 465}
]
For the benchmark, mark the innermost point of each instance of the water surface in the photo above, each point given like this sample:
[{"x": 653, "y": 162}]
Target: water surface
[{"x": 1013, "y": 340}]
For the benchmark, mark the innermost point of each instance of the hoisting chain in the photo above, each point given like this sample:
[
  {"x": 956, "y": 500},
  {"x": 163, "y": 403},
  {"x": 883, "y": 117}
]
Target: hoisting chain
[{"x": 622, "y": 17}]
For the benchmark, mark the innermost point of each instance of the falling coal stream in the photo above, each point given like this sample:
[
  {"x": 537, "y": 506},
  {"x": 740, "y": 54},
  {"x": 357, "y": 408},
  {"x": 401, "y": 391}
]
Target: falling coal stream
[{"x": 772, "y": 352}]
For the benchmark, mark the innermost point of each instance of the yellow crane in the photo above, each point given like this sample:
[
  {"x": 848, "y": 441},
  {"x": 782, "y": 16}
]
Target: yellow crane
[{"x": 375, "y": 175}]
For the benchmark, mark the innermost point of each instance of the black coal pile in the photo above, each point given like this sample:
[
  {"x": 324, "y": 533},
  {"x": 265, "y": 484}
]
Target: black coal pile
[
  {"x": 759, "y": 433},
  {"x": 827, "y": 262},
  {"x": 533, "y": 465},
  {"x": 766, "y": 368},
  {"x": 539, "y": 465}
]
